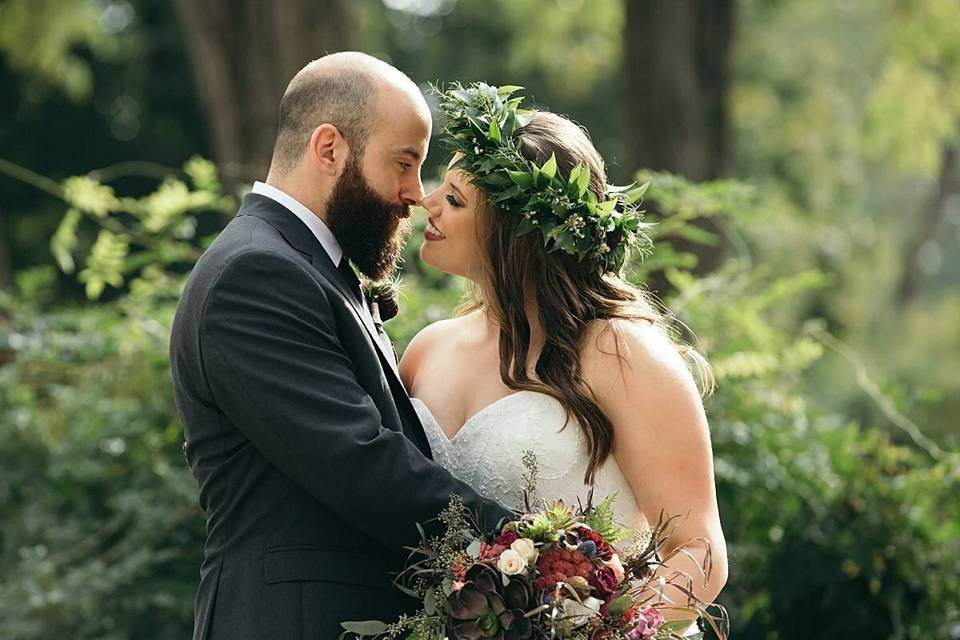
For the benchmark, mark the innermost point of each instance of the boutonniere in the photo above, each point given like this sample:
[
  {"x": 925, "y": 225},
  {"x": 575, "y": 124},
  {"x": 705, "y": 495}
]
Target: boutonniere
[{"x": 382, "y": 297}]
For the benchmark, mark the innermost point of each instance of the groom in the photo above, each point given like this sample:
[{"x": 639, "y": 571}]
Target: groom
[{"x": 312, "y": 465}]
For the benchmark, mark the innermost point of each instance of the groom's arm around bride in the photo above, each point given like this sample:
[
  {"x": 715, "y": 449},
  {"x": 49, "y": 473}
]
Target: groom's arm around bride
[{"x": 312, "y": 465}]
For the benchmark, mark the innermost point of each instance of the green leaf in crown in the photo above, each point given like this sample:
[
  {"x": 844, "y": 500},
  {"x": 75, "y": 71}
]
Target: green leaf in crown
[{"x": 481, "y": 122}]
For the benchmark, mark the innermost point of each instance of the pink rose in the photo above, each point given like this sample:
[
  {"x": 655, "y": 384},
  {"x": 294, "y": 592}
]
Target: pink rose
[
  {"x": 653, "y": 616},
  {"x": 647, "y": 622}
]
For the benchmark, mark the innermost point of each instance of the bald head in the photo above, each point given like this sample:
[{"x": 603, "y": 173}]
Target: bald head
[{"x": 344, "y": 89}]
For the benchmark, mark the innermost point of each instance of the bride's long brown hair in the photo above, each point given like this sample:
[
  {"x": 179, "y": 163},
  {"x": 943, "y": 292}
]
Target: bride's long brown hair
[{"x": 569, "y": 295}]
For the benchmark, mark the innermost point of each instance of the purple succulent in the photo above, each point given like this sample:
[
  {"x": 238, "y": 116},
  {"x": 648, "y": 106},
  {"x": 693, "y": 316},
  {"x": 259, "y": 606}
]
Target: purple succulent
[{"x": 484, "y": 608}]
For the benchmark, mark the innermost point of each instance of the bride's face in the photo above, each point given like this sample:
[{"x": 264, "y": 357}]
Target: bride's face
[{"x": 450, "y": 238}]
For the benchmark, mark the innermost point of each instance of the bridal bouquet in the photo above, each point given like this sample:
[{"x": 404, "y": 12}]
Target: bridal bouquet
[{"x": 551, "y": 573}]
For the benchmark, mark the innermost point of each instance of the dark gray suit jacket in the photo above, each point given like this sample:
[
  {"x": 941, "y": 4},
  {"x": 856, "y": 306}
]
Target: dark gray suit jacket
[{"x": 312, "y": 465}]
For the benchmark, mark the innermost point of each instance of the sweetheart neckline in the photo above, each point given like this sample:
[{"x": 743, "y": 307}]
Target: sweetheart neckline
[{"x": 481, "y": 411}]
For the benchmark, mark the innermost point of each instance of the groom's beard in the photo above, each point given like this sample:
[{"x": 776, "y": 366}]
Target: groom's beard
[{"x": 370, "y": 230}]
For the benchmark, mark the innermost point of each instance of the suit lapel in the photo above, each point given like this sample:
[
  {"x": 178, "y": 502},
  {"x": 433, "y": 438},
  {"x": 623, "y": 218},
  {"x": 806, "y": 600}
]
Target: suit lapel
[
  {"x": 302, "y": 239},
  {"x": 296, "y": 233},
  {"x": 322, "y": 262}
]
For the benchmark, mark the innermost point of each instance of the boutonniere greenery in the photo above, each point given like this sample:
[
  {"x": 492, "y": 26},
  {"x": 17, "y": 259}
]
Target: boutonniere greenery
[{"x": 382, "y": 297}]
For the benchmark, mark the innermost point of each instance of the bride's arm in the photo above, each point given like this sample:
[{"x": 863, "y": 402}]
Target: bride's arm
[{"x": 661, "y": 441}]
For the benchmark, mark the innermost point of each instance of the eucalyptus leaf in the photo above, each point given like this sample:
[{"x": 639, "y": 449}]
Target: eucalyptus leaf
[
  {"x": 507, "y": 89},
  {"x": 507, "y": 194},
  {"x": 583, "y": 181},
  {"x": 524, "y": 117},
  {"x": 494, "y": 132},
  {"x": 607, "y": 207},
  {"x": 473, "y": 549},
  {"x": 407, "y": 590},
  {"x": 526, "y": 226},
  {"x": 522, "y": 179},
  {"x": 496, "y": 180},
  {"x": 365, "y": 627},
  {"x": 635, "y": 194},
  {"x": 430, "y": 602},
  {"x": 676, "y": 626},
  {"x": 549, "y": 169}
]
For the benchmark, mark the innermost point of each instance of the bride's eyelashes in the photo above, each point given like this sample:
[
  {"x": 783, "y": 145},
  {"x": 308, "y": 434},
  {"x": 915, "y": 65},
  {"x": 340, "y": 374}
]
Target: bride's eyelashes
[{"x": 453, "y": 202}]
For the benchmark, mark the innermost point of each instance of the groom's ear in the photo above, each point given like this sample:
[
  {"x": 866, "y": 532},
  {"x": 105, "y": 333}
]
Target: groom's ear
[{"x": 327, "y": 149}]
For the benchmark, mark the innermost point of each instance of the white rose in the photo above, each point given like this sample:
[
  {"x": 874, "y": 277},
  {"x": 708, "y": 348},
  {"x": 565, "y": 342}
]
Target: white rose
[
  {"x": 579, "y": 612},
  {"x": 526, "y": 549},
  {"x": 593, "y": 604},
  {"x": 511, "y": 563}
]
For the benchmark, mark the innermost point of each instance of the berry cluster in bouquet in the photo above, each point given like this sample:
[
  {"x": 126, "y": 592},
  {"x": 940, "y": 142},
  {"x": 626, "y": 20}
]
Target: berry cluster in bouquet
[{"x": 553, "y": 572}]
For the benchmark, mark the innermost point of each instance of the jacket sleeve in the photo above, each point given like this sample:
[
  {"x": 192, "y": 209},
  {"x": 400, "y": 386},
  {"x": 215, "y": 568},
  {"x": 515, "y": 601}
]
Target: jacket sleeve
[{"x": 277, "y": 369}]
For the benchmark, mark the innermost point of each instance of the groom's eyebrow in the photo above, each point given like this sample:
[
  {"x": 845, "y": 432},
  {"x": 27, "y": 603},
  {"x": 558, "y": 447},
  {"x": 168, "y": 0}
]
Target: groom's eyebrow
[{"x": 413, "y": 153}]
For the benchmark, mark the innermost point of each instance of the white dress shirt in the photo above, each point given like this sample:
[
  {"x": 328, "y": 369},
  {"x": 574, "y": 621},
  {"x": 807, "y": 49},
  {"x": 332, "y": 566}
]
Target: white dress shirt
[{"x": 326, "y": 238}]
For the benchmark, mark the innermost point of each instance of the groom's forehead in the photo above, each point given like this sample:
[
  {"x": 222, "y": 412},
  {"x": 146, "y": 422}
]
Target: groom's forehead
[{"x": 402, "y": 126}]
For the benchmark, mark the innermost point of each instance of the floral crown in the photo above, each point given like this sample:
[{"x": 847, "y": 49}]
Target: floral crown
[{"x": 480, "y": 121}]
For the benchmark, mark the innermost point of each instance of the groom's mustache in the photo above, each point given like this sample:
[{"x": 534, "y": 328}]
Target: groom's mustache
[{"x": 401, "y": 211}]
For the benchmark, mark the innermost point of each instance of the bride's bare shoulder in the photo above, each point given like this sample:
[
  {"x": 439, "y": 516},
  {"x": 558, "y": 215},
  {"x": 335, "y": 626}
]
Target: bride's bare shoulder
[
  {"x": 620, "y": 350},
  {"x": 442, "y": 335}
]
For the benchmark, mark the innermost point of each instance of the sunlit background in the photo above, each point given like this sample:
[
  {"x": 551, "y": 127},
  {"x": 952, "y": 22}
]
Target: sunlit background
[{"x": 805, "y": 166}]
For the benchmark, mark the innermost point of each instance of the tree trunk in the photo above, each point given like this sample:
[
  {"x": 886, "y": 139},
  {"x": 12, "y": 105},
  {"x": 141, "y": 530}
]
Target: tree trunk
[
  {"x": 244, "y": 52},
  {"x": 930, "y": 220},
  {"x": 6, "y": 270},
  {"x": 677, "y": 66}
]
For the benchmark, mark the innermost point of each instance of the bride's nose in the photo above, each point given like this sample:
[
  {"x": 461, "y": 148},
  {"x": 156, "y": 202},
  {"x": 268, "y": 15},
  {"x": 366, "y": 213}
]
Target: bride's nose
[{"x": 431, "y": 202}]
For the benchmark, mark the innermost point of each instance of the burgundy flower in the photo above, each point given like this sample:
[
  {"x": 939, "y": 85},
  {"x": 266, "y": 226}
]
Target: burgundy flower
[
  {"x": 508, "y": 538},
  {"x": 558, "y": 565},
  {"x": 604, "y": 550},
  {"x": 388, "y": 307},
  {"x": 604, "y": 581},
  {"x": 491, "y": 552}
]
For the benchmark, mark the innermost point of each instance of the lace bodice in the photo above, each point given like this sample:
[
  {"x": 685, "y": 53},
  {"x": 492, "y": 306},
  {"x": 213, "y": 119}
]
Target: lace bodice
[{"x": 487, "y": 452}]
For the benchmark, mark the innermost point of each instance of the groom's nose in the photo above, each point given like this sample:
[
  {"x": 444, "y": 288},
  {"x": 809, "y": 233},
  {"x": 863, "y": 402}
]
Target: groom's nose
[{"x": 413, "y": 192}]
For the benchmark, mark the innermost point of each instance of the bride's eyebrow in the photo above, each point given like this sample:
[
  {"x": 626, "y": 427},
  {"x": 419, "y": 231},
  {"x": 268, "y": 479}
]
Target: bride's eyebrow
[{"x": 459, "y": 193}]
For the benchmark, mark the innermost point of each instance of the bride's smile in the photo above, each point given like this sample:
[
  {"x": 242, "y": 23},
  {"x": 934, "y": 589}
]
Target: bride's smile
[
  {"x": 431, "y": 233},
  {"x": 450, "y": 236}
]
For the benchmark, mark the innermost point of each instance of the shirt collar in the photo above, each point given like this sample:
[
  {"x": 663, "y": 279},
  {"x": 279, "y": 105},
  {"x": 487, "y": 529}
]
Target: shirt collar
[{"x": 319, "y": 229}]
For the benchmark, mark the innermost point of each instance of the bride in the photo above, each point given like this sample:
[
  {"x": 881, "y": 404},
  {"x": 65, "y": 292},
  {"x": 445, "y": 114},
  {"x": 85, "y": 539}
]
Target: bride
[{"x": 556, "y": 353}]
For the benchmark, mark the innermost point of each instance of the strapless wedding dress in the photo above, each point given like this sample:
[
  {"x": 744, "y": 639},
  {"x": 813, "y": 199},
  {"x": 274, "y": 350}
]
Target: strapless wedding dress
[{"x": 487, "y": 454}]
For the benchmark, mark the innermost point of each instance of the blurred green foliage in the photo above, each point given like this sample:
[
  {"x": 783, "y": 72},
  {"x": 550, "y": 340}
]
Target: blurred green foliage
[
  {"x": 834, "y": 422},
  {"x": 827, "y": 520}
]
